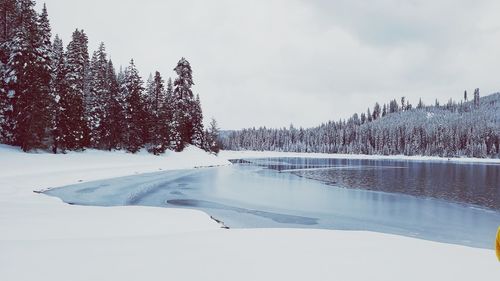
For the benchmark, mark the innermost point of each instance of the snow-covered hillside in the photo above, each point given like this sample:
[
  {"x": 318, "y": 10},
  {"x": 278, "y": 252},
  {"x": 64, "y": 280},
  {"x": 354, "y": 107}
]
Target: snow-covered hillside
[
  {"x": 42, "y": 238},
  {"x": 451, "y": 130}
]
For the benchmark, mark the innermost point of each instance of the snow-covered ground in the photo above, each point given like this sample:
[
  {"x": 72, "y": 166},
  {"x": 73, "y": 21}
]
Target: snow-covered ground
[
  {"x": 42, "y": 238},
  {"x": 230, "y": 154}
]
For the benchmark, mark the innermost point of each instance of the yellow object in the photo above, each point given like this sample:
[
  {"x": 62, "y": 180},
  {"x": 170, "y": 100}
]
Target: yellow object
[{"x": 498, "y": 244}]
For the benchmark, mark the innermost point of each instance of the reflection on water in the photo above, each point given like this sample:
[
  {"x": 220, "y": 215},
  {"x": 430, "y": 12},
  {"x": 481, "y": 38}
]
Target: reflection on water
[
  {"x": 477, "y": 184},
  {"x": 268, "y": 193}
]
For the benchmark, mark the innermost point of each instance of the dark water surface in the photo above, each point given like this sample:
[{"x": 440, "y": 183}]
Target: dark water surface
[
  {"x": 471, "y": 183},
  {"x": 439, "y": 201}
]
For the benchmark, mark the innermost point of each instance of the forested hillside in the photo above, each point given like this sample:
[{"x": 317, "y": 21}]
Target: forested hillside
[{"x": 468, "y": 128}]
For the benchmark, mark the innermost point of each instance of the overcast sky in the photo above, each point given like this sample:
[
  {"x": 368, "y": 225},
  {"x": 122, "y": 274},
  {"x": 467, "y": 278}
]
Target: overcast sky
[{"x": 273, "y": 63}]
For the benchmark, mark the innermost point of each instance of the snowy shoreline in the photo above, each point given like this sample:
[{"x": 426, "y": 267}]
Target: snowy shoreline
[
  {"x": 42, "y": 238},
  {"x": 238, "y": 154}
]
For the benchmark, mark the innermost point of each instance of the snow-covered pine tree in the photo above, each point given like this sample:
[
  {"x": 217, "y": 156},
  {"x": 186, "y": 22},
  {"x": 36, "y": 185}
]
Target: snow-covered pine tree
[
  {"x": 148, "y": 107},
  {"x": 198, "y": 133},
  {"x": 363, "y": 118},
  {"x": 149, "y": 90},
  {"x": 74, "y": 127},
  {"x": 376, "y": 111},
  {"x": 135, "y": 109},
  {"x": 182, "y": 103},
  {"x": 420, "y": 104},
  {"x": 45, "y": 33},
  {"x": 98, "y": 97},
  {"x": 170, "y": 89},
  {"x": 158, "y": 115},
  {"x": 158, "y": 94},
  {"x": 9, "y": 16},
  {"x": 168, "y": 116},
  {"x": 59, "y": 90},
  {"x": 30, "y": 60},
  {"x": 393, "y": 106},
  {"x": 476, "y": 98},
  {"x": 212, "y": 137},
  {"x": 113, "y": 119}
]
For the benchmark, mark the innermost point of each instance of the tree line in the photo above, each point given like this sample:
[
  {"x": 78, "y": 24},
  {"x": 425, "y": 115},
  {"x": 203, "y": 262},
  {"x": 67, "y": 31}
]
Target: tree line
[
  {"x": 61, "y": 99},
  {"x": 468, "y": 128}
]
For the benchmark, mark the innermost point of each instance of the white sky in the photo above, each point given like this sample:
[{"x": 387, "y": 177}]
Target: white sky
[{"x": 273, "y": 63}]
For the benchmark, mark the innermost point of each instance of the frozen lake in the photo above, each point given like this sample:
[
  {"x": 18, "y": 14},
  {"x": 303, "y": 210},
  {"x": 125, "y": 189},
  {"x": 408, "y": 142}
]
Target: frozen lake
[{"x": 439, "y": 201}]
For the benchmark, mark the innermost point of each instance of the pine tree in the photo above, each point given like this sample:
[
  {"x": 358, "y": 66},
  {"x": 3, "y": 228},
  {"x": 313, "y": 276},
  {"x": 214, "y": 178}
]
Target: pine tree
[
  {"x": 59, "y": 90},
  {"x": 376, "y": 111},
  {"x": 45, "y": 31},
  {"x": 476, "y": 98},
  {"x": 158, "y": 94},
  {"x": 420, "y": 104},
  {"x": 198, "y": 133},
  {"x": 148, "y": 107},
  {"x": 168, "y": 116},
  {"x": 74, "y": 127},
  {"x": 9, "y": 27},
  {"x": 31, "y": 63},
  {"x": 113, "y": 123},
  {"x": 183, "y": 104},
  {"x": 159, "y": 127},
  {"x": 363, "y": 118},
  {"x": 98, "y": 97},
  {"x": 170, "y": 89},
  {"x": 135, "y": 108},
  {"x": 9, "y": 16},
  {"x": 393, "y": 106},
  {"x": 212, "y": 137}
]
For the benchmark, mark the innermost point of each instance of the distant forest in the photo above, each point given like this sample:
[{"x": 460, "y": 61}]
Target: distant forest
[
  {"x": 61, "y": 99},
  {"x": 468, "y": 128}
]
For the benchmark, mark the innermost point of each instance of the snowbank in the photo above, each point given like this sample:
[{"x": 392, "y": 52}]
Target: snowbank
[
  {"x": 28, "y": 215},
  {"x": 96, "y": 164},
  {"x": 43, "y": 239},
  {"x": 230, "y": 154}
]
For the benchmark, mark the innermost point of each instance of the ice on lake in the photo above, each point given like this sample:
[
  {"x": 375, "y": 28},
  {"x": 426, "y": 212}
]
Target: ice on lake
[{"x": 411, "y": 199}]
